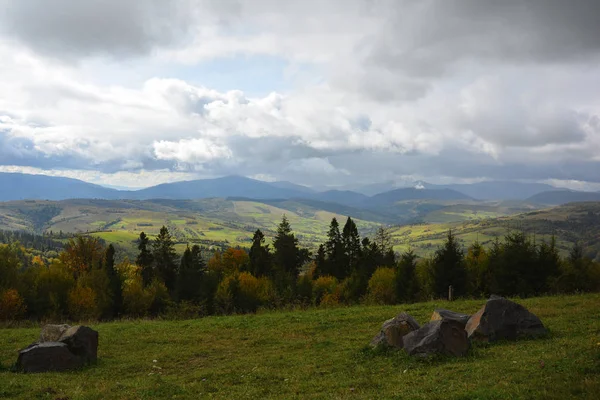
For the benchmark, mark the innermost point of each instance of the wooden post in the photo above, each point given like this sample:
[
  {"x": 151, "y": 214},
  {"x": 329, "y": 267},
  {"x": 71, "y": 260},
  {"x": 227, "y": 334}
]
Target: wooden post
[{"x": 450, "y": 293}]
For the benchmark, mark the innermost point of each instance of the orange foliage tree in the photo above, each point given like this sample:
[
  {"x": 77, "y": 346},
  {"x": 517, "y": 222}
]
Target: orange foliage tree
[
  {"x": 12, "y": 306},
  {"x": 82, "y": 254}
]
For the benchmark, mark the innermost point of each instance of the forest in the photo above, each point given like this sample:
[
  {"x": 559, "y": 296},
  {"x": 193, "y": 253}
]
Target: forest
[{"x": 42, "y": 279}]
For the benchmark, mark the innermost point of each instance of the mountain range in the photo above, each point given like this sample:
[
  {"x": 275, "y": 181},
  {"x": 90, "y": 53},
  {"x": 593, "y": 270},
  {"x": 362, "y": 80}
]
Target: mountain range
[{"x": 17, "y": 186}]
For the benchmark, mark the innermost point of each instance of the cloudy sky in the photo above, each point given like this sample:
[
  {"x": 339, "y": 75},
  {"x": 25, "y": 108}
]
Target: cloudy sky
[{"x": 325, "y": 92}]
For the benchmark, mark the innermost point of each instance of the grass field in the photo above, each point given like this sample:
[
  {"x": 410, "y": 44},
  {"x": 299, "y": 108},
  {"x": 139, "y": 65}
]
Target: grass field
[{"x": 320, "y": 353}]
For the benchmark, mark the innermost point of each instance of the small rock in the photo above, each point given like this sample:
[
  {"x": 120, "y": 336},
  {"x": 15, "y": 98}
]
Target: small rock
[
  {"x": 47, "y": 356},
  {"x": 502, "y": 319},
  {"x": 438, "y": 337},
  {"x": 440, "y": 314},
  {"x": 393, "y": 330}
]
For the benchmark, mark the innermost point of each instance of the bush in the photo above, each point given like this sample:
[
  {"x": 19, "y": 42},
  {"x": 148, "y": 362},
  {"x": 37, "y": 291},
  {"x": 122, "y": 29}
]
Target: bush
[
  {"x": 98, "y": 281},
  {"x": 382, "y": 286},
  {"x": 159, "y": 294},
  {"x": 227, "y": 293},
  {"x": 82, "y": 304},
  {"x": 12, "y": 305},
  {"x": 322, "y": 286},
  {"x": 136, "y": 300},
  {"x": 305, "y": 289},
  {"x": 53, "y": 285},
  {"x": 330, "y": 299}
]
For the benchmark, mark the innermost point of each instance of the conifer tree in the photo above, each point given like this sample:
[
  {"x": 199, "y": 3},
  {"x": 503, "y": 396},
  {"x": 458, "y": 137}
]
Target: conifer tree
[
  {"x": 164, "y": 256},
  {"x": 448, "y": 268},
  {"x": 260, "y": 256},
  {"x": 334, "y": 251},
  {"x": 191, "y": 273},
  {"x": 351, "y": 245},
  {"x": 144, "y": 259},
  {"x": 406, "y": 280},
  {"x": 287, "y": 255}
]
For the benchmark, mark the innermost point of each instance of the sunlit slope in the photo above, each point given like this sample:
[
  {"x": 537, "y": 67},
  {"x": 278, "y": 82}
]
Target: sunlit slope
[{"x": 569, "y": 223}]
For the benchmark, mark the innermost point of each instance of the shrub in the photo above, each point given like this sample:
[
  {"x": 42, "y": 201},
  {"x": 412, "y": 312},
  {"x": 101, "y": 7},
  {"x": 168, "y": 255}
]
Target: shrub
[
  {"x": 305, "y": 289},
  {"x": 52, "y": 288},
  {"x": 98, "y": 281},
  {"x": 12, "y": 305},
  {"x": 136, "y": 300},
  {"x": 382, "y": 286},
  {"x": 249, "y": 298},
  {"x": 330, "y": 299},
  {"x": 82, "y": 304},
  {"x": 227, "y": 294},
  {"x": 159, "y": 294},
  {"x": 322, "y": 286}
]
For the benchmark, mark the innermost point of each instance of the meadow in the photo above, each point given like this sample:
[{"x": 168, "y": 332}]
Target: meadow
[{"x": 321, "y": 354}]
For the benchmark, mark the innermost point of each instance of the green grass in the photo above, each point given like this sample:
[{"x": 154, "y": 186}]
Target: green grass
[{"x": 320, "y": 353}]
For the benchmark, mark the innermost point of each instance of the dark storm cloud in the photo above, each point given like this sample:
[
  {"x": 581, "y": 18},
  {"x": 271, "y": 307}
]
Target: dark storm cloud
[
  {"x": 435, "y": 33},
  {"x": 66, "y": 28}
]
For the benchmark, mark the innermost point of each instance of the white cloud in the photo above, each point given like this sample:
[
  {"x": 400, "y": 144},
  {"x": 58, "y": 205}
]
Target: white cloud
[{"x": 392, "y": 94}]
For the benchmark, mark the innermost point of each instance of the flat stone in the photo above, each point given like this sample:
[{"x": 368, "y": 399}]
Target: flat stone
[
  {"x": 47, "y": 356},
  {"x": 440, "y": 314}
]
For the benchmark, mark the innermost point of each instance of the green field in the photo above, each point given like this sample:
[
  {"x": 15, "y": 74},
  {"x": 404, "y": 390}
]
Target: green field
[{"x": 319, "y": 353}]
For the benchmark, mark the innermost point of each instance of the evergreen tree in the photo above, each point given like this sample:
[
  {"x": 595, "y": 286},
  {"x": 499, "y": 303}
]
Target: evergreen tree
[
  {"x": 334, "y": 251},
  {"x": 114, "y": 280},
  {"x": 320, "y": 262},
  {"x": 351, "y": 245},
  {"x": 448, "y": 268},
  {"x": 406, "y": 281},
  {"x": 144, "y": 259},
  {"x": 476, "y": 264},
  {"x": 287, "y": 256},
  {"x": 164, "y": 256},
  {"x": 547, "y": 267},
  {"x": 192, "y": 269},
  {"x": 260, "y": 256}
]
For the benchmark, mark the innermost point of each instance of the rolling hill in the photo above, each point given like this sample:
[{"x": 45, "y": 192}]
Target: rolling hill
[
  {"x": 557, "y": 197},
  {"x": 570, "y": 223},
  {"x": 17, "y": 186},
  {"x": 221, "y": 222}
]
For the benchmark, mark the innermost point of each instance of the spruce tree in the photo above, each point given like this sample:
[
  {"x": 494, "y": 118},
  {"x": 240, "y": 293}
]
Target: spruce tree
[
  {"x": 334, "y": 251},
  {"x": 287, "y": 256},
  {"x": 144, "y": 259},
  {"x": 260, "y": 256},
  {"x": 351, "y": 245},
  {"x": 190, "y": 275},
  {"x": 449, "y": 268},
  {"x": 320, "y": 262},
  {"x": 406, "y": 279},
  {"x": 164, "y": 256}
]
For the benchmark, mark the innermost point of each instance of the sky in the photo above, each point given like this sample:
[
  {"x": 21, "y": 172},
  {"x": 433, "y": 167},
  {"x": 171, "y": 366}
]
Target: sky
[{"x": 318, "y": 92}]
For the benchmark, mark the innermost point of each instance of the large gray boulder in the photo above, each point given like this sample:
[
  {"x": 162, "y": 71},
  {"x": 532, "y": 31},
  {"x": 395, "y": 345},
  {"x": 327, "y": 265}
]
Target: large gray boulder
[
  {"x": 439, "y": 314},
  {"x": 81, "y": 341},
  {"x": 393, "y": 330},
  {"x": 502, "y": 319},
  {"x": 443, "y": 336},
  {"x": 47, "y": 356},
  {"x": 52, "y": 333},
  {"x": 60, "y": 348}
]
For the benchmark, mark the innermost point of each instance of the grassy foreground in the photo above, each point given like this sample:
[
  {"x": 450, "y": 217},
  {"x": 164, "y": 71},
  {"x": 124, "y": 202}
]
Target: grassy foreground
[{"x": 319, "y": 354}]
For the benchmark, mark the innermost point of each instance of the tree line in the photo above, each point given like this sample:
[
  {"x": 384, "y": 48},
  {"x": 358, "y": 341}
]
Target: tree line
[{"x": 84, "y": 281}]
